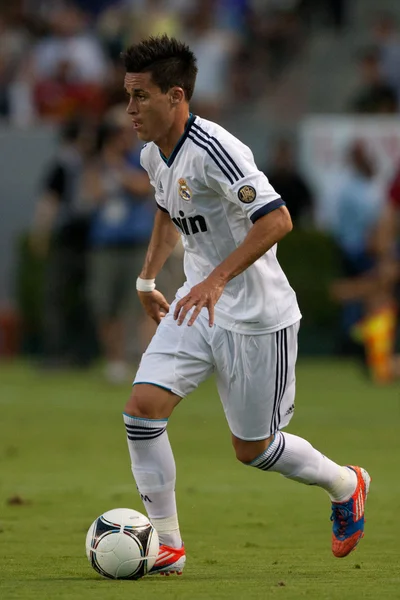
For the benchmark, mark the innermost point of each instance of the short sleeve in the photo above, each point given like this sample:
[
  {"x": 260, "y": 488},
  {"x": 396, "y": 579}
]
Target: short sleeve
[
  {"x": 230, "y": 169},
  {"x": 145, "y": 161}
]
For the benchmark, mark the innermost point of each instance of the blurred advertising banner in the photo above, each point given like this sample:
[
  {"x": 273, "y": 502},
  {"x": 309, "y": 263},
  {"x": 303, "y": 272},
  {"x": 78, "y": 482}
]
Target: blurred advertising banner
[{"x": 324, "y": 143}]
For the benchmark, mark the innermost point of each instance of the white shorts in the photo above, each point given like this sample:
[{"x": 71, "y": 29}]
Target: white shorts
[{"x": 255, "y": 373}]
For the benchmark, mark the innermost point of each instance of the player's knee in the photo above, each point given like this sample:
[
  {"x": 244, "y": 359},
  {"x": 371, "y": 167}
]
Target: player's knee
[
  {"x": 247, "y": 451},
  {"x": 143, "y": 402},
  {"x": 150, "y": 402}
]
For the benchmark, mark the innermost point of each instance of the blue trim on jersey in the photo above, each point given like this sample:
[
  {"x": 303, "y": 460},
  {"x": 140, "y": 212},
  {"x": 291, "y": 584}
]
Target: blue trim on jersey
[
  {"x": 181, "y": 141},
  {"x": 151, "y": 383},
  {"x": 162, "y": 208},
  {"x": 215, "y": 159},
  {"x": 218, "y": 143},
  {"x": 267, "y": 208},
  {"x": 143, "y": 418},
  {"x": 210, "y": 143}
]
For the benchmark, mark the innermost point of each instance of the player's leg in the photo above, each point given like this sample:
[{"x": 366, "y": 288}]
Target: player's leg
[
  {"x": 267, "y": 364},
  {"x": 177, "y": 360},
  {"x": 146, "y": 417},
  {"x": 297, "y": 459}
]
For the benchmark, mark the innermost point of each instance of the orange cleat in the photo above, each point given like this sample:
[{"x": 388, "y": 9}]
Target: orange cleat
[
  {"x": 169, "y": 560},
  {"x": 348, "y": 517}
]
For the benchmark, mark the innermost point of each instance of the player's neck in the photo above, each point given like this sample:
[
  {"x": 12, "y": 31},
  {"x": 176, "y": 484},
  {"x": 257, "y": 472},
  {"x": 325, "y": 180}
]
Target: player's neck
[{"x": 168, "y": 143}]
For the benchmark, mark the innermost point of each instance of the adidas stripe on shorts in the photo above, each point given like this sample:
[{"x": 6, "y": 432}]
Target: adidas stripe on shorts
[{"x": 255, "y": 374}]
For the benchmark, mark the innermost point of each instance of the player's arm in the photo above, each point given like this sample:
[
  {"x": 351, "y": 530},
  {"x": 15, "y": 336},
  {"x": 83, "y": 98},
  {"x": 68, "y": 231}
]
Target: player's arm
[
  {"x": 265, "y": 233},
  {"x": 162, "y": 242},
  {"x": 233, "y": 174}
]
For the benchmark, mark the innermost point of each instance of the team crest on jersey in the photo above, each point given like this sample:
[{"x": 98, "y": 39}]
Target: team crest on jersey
[
  {"x": 184, "y": 190},
  {"x": 247, "y": 194}
]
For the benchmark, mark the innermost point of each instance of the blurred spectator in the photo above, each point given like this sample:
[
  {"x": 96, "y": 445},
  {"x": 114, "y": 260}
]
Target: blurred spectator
[
  {"x": 59, "y": 234},
  {"x": 213, "y": 49},
  {"x": 388, "y": 241},
  {"x": 232, "y": 14},
  {"x": 69, "y": 67},
  {"x": 358, "y": 205},
  {"x": 118, "y": 187},
  {"x": 274, "y": 36},
  {"x": 14, "y": 43},
  {"x": 375, "y": 94},
  {"x": 377, "y": 291},
  {"x": 60, "y": 59},
  {"x": 387, "y": 38},
  {"x": 376, "y": 330},
  {"x": 243, "y": 83},
  {"x": 388, "y": 235},
  {"x": 291, "y": 184},
  {"x": 70, "y": 42},
  {"x": 112, "y": 26},
  {"x": 331, "y": 13},
  {"x": 157, "y": 18},
  {"x": 96, "y": 7}
]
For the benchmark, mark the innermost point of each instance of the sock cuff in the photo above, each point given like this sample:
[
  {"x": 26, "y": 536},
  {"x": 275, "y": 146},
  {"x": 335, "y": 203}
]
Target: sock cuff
[
  {"x": 138, "y": 428},
  {"x": 142, "y": 420},
  {"x": 271, "y": 455}
]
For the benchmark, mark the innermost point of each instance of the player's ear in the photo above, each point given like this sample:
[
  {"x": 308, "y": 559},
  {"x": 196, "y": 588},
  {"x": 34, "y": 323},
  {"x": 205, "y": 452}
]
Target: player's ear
[{"x": 177, "y": 95}]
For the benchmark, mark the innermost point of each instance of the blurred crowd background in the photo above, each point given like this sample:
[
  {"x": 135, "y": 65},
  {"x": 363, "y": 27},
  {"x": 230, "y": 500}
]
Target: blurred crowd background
[{"x": 313, "y": 86}]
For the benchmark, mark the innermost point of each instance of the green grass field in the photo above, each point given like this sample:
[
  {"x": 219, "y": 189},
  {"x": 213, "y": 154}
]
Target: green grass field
[{"x": 248, "y": 534}]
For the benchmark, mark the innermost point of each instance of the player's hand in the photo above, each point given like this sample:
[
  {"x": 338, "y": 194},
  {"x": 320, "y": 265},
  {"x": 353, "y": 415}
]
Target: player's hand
[
  {"x": 155, "y": 305},
  {"x": 204, "y": 294}
]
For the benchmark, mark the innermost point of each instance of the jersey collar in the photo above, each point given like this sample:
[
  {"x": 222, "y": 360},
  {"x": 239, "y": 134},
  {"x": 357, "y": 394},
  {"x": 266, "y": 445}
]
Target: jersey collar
[{"x": 181, "y": 141}]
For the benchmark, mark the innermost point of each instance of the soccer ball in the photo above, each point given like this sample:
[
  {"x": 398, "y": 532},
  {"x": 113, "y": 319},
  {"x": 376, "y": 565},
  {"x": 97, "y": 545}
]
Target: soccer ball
[{"x": 122, "y": 544}]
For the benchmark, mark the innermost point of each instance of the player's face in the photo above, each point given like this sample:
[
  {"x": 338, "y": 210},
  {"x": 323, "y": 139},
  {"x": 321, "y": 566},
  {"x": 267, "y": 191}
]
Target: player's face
[{"x": 150, "y": 109}]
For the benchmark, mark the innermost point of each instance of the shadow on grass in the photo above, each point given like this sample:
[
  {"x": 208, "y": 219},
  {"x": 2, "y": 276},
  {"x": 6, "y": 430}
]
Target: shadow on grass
[{"x": 55, "y": 578}]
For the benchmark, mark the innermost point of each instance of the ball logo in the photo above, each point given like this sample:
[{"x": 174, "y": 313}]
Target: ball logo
[
  {"x": 184, "y": 190},
  {"x": 247, "y": 194}
]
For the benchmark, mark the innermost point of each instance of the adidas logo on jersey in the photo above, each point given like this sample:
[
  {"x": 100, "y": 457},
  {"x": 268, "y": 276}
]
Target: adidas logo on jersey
[
  {"x": 190, "y": 225},
  {"x": 160, "y": 187}
]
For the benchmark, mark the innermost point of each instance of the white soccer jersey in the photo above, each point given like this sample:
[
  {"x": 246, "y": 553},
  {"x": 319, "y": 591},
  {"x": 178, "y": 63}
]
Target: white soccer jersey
[{"x": 213, "y": 192}]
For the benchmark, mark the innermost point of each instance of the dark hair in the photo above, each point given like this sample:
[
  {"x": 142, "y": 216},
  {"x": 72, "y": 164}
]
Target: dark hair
[{"x": 169, "y": 61}]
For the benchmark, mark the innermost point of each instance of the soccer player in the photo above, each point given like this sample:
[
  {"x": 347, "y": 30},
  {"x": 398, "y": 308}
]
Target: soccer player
[{"x": 236, "y": 314}]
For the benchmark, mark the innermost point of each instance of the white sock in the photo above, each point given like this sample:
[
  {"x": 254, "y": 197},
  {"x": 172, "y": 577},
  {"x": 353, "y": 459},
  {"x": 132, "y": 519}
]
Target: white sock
[
  {"x": 295, "y": 458},
  {"x": 153, "y": 467},
  {"x": 168, "y": 531}
]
